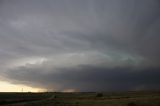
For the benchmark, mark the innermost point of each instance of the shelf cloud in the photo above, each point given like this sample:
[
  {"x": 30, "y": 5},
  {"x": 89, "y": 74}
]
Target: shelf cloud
[{"x": 85, "y": 45}]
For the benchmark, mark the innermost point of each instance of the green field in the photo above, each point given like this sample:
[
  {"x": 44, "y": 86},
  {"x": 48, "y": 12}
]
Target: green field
[{"x": 141, "y": 98}]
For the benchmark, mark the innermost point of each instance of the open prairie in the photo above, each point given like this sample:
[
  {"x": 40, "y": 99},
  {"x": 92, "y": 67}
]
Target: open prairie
[
  {"x": 80, "y": 52},
  {"x": 141, "y": 98}
]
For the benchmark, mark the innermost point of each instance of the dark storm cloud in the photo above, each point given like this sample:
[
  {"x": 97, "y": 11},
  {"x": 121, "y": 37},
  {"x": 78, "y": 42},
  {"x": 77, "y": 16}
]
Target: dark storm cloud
[
  {"x": 100, "y": 34},
  {"x": 89, "y": 78}
]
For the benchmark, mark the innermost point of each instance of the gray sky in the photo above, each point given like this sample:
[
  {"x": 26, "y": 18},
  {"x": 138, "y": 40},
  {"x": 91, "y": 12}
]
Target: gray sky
[{"x": 85, "y": 45}]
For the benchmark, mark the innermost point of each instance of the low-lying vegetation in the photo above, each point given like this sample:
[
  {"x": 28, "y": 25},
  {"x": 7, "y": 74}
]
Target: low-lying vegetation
[{"x": 81, "y": 99}]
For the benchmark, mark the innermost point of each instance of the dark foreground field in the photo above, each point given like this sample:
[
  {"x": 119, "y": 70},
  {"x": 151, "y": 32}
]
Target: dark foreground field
[{"x": 148, "y": 98}]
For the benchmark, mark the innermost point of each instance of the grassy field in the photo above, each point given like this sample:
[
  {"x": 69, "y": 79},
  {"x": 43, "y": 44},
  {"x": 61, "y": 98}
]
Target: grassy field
[{"x": 143, "y": 98}]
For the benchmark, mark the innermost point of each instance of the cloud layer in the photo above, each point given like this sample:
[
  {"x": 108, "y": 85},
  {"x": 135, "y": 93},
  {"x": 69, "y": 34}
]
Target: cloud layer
[
  {"x": 88, "y": 78},
  {"x": 81, "y": 44}
]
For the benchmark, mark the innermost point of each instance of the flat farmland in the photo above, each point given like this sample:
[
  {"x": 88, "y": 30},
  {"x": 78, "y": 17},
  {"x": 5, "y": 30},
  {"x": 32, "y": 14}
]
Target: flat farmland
[{"x": 132, "y": 98}]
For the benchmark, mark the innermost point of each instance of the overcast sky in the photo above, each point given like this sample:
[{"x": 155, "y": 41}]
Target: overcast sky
[{"x": 80, "y": 45}]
